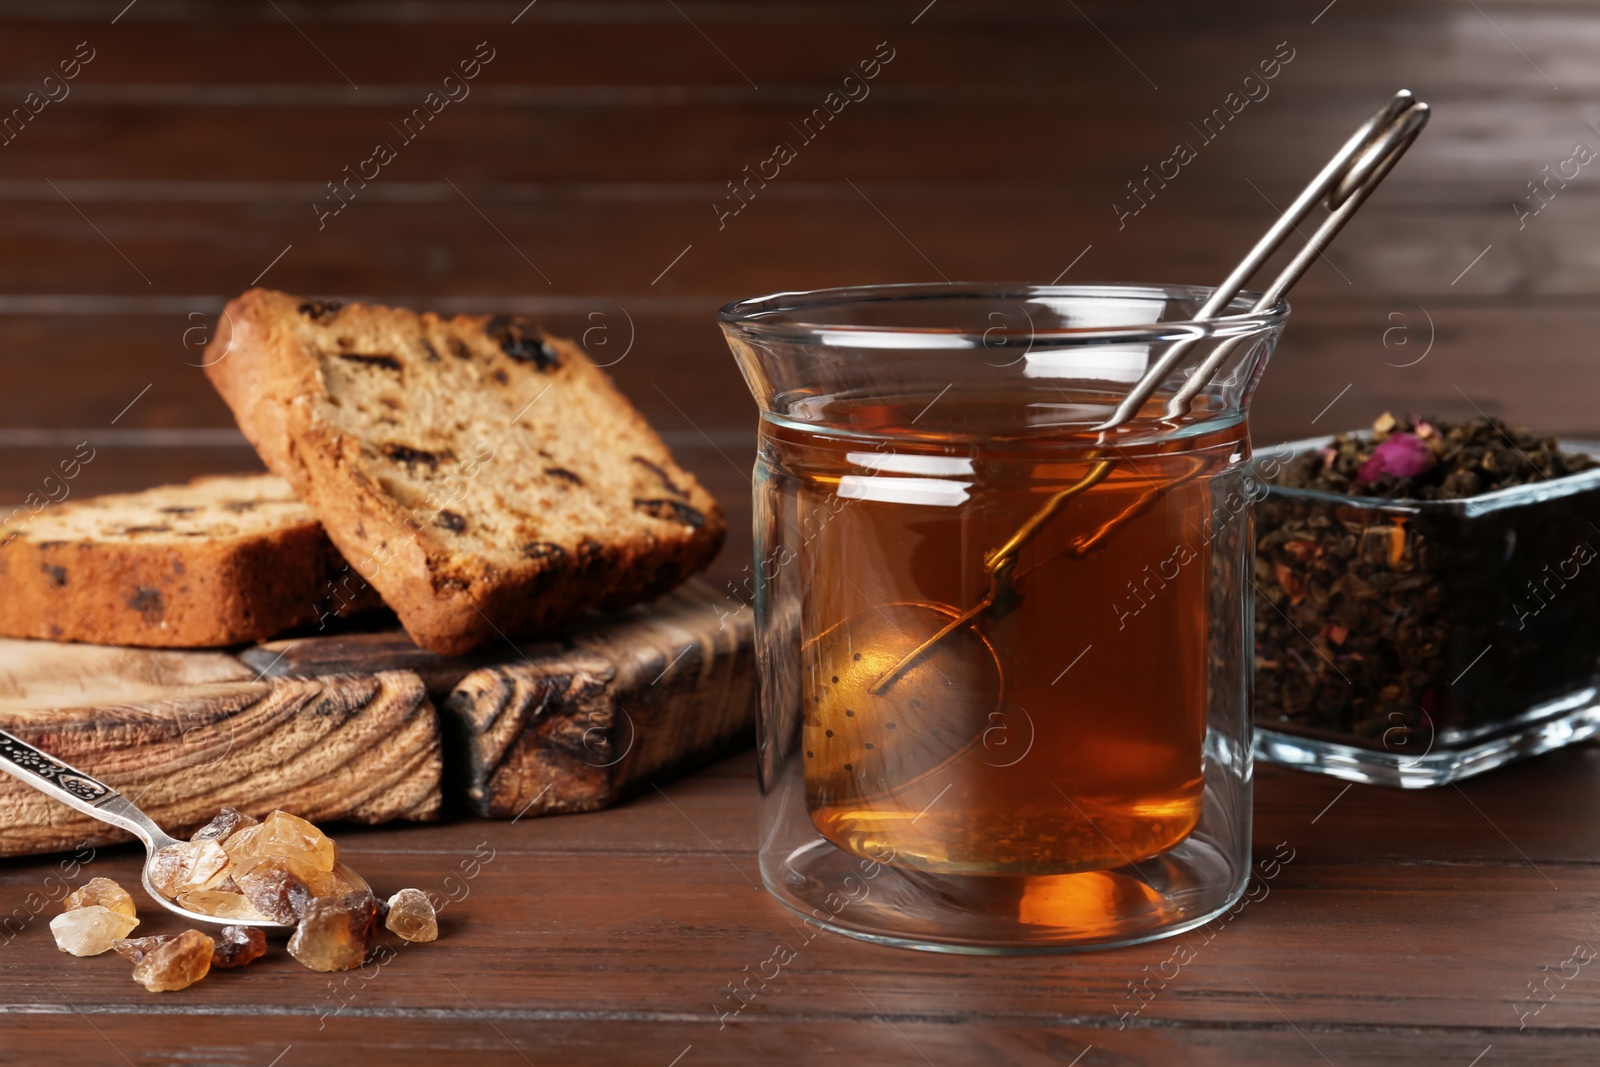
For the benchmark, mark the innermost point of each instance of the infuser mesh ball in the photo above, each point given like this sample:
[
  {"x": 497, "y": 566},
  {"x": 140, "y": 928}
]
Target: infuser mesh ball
[{"x": 863, "y": 737}]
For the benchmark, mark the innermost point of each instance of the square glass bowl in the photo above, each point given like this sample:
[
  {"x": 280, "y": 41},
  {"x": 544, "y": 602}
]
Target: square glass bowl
[{"x": 1417, "y": 642}]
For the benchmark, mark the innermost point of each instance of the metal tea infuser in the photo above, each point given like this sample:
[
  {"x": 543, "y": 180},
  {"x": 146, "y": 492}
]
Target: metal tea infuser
[{"x": 933, "y": 677}]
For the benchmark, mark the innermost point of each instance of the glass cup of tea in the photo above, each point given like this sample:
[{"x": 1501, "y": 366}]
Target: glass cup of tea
[{"x": 1004, "y": 656}]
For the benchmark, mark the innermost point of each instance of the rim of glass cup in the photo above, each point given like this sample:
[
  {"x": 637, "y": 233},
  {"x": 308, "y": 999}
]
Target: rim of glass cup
[{"x": 800, "y": 317}]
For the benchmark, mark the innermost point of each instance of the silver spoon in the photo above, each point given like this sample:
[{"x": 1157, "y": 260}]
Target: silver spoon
[{"x": 94, "y": 798}]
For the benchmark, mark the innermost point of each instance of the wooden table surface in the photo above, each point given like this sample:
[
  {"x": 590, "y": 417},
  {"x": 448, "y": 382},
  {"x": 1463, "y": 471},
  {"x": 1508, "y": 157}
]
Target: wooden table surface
[{"x": 585, "y": 179}]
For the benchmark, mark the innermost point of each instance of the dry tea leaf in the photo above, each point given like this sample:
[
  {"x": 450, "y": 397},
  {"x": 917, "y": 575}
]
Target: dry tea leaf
[
  {"x": 1366, "y": 616},
  {"x": 1426, "y": 459}
]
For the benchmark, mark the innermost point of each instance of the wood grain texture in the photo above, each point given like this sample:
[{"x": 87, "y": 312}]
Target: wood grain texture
[
  {"x": 613, "y": 938},
  {"x": 46, "y": 674},
  {"x": 1408, "y": 242},
  {"x": 1395, "y": 351},
  {"x": 389, "y": 650},
  {"x": 357, "y": 748},
  {"x": 576, "y": 722},
  {"x": 579, "y": 727}
]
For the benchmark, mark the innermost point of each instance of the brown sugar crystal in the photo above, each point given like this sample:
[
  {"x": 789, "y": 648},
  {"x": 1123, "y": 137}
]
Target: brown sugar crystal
[
  {"x": 175, "y": 964},
  {"x": 275, "y": 890},
  {"x": 281, "y": 869},
  {"x": 228, "y": 822},
  {"x": 251, "y": 871},
  {"x": 281, "y": 836},
  {"x": 335, "y": 933},
  {"x": 412, "y": 917},
  {"x": 134, "y": 949},
  {"x": 90, "y": 930},
  {"x": 225, "y": 901},
  {"x": 294, "y": 838},
  {"x": 325, "y": 883},
  {"x": 188, "y": 866},
  {"x": 105, "y": 893},
  {"x": 237, "y": 946}
]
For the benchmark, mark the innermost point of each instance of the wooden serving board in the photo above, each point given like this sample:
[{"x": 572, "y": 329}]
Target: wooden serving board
[
  {"x": 578, "y": 723},
  {"x": 343, "y": 728},
  {"x": 186, "y": 733},
  {"x": 577, "y": 727}
]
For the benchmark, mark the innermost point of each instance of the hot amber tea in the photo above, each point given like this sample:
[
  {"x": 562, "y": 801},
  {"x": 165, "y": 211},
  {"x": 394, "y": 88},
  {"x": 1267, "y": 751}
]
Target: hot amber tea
[{"x": 1061, "y": 728}]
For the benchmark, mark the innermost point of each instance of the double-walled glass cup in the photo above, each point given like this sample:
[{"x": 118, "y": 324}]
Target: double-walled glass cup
[{"x": 1004, "y": 658}]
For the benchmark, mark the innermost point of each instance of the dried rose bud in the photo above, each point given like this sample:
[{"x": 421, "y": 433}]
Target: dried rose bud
[{"x": 1402, "y": 455}]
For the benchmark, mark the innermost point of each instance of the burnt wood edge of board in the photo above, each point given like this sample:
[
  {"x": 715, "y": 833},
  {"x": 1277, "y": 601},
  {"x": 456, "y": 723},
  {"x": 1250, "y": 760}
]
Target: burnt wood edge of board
[
  {"x": 581, "y": 729},
  {"x": 581, "y": 733}
]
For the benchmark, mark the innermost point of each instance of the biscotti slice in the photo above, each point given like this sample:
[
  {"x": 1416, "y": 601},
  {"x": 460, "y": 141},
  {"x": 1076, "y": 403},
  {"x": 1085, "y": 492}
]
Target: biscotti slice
[
  {"x": 215, "y": 562},
  {"x": 484, "y": 476}
]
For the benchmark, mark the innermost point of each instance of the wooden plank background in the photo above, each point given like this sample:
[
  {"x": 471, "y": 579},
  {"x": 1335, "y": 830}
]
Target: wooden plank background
[{"x": 577, "y": 182}]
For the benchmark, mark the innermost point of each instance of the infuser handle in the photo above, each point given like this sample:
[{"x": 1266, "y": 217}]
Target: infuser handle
[
  {"x": 1344, "y": 183},
  {"x": 1359, "y": 182}
]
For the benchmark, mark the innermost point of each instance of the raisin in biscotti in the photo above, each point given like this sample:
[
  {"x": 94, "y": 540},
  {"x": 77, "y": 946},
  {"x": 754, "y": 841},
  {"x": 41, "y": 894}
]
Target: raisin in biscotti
[
  {"x": 215, "y": 562},
  {"x": 484, "y": 476}
]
